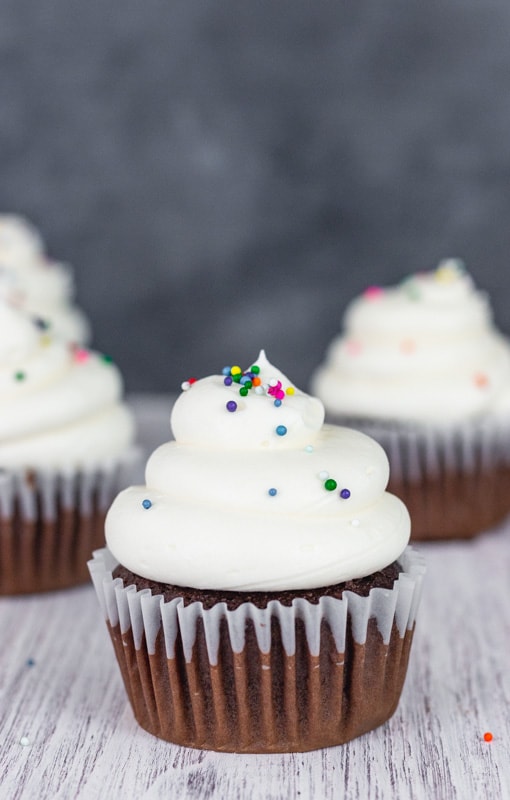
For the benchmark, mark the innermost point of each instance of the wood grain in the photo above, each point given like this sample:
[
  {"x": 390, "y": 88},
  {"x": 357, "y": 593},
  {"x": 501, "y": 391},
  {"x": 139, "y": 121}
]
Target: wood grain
[{"x": 84, "y": 743}]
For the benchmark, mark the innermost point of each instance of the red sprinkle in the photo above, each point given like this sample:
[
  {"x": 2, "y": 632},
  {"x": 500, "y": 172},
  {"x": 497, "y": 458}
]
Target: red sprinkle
[{"x": 488, "y": 737}]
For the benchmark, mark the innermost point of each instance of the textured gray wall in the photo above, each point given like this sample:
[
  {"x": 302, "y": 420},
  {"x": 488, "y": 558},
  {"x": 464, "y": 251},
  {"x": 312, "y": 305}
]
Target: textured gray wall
[{"x": 227, "y": 174}]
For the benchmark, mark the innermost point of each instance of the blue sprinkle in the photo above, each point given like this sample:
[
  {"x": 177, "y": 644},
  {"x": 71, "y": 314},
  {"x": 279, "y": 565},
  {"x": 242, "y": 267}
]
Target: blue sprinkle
[
  {"x": 272, "y": 492},
  {"x": 226, "y": 371},
  {"x": 30, "y": 662},
  {"x": 281, "y": 430},
  {"x": 244, "y": 379},
  {"x": 277, "y": 403},
  {"x": 227, "y": 381},
  {"x": 345, "y": 494},
  {"x": 146, "y": 503}
]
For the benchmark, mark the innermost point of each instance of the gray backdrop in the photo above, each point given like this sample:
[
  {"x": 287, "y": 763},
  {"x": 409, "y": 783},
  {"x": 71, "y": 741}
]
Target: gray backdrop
[{"x": 225, "y": 175}]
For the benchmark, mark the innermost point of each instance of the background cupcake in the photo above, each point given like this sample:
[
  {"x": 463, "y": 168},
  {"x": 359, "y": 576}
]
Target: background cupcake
[
  {"x": 65, "y": 450},
  {"x": 42, "y": 287},
  {"x": 258, "y": 590},
  {"x": 421, "y": 368}
]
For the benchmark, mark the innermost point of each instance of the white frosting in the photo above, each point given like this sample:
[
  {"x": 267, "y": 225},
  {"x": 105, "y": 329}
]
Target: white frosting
[
  {"x": 424, "y": 351},
  {"x": 30, "y": 280},
  {"x": 59, "y": 407},
  {"x": 213, "y": 523}
]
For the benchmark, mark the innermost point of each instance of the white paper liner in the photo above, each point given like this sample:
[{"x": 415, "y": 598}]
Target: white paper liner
[
  {"x": 24, "y": 489},
  {"x": 417, "y": 451},
  {"x": 146, "y": 614}
]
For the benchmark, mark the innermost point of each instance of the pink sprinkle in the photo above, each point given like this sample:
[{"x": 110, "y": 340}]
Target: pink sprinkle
[
  {"x": 373, "y": 292},
  {"x": 81, "y": 355},
  {"x": 353, "y": 348}
]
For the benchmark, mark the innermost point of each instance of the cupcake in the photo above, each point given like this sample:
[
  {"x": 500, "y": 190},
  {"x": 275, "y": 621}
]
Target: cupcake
[
  {"x": 40, "y": 286},
  {"x": 258, "y": 590},
  {"x": 65, "y": 452},
  {"x": 422, "y": 369}
]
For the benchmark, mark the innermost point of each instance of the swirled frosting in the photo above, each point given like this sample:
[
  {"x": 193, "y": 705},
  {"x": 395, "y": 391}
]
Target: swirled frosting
[
  {"x": 60, "y": 407},
  {"x": 425, "y": 350},
  {"x": 256, "y": 493},
  {"x": 40, "y": 286}
]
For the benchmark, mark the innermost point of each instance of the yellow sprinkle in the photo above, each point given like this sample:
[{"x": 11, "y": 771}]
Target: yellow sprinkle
[
  {"x": 289, "y": 390},
  {"x": 447, "y": 272},
  {"x": 45, "y": 340},
  {"x": 235, "y": 371}
]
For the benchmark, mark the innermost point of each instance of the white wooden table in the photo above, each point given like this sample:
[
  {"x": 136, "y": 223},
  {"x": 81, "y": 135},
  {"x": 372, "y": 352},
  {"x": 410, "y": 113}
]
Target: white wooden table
[{"x": 66, "y": 730}]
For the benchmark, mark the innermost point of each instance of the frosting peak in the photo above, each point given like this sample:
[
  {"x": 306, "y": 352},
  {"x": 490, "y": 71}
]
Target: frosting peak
[
  {"x": 272, "y": 413},
  {"x": 425, "y": 350},
  {"x": 35, "y": 283}
]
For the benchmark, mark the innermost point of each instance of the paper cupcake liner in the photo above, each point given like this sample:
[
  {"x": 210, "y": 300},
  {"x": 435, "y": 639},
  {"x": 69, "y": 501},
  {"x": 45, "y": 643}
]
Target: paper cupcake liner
[
  {"x": 455, "y": 482},
  {"x": 51, "y": 521},
  {"x": 274, "y": 679}
]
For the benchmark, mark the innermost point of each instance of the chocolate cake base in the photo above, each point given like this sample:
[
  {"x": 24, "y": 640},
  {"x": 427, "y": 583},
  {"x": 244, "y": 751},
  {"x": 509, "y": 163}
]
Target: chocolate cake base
[
  {"x": 455, "y": 505},
  {"x": 42, "y": 556},
  {"x": 263, "y": 702}
]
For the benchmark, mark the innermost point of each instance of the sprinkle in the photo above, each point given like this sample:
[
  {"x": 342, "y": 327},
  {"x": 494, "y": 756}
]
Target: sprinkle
[
  {"x": 330, "y": 485},
  {"x": 243, "y": 391},
  {"x": 481, "y": 380},
  {"x": 308, "y": 448},
  {"x": 290, "y": 390},
  {"x": 408, "y": 346},
  {"x": 353, "y": 348},
  {"x": 324, "y": 475},
  {"x": 281, "y": 430},
  {"x": 30, "y": 662},
  {"x": 272, "y": 492},
  {"x": 106, "y": 359},
  {"x": 411, "y": 289},
  {"x": 245, "y": 379},
  {"x": 81, "y": 355},
  {"x": 227, "y": 381},
  {"x": 274, "y": 382},
  {"x": 42, "y": 324},
  {"x": 488, "y": 737},
  {"x": 256, "y": 381},
  {"x": 449, "y": 270},
  {"x": 277, "y": 403},
  {"x": 259, "y": 390},
  {"x": 255, "y": 368},
  {"x": 185, "y": 385},
  {"x": 226, "y": 370},
  {"x": 373, "y": 293},
  {"x": 236, "y": 371},
  {"x": 231, "y": 405},
  {"x": 19, "y": 376},
  {"x": 355, "y": 522},
  {"x": 345, "y": 494},
  {"x": 24, "y": 741},
  {"x": 146, "y": 503}
]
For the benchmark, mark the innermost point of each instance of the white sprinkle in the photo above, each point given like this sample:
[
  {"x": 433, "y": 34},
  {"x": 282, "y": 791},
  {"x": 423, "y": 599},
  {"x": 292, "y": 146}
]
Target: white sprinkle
[
  {"x": 308, "y": 448},
  {"x": 355, "y": 522},
  {"x": 323, "y": 475},
  {"x": 24, "y": 741},
  {"x": 259, "y": 390},
  {"x": 185, "y": 386},
  {"x": 273, "y": 382}
]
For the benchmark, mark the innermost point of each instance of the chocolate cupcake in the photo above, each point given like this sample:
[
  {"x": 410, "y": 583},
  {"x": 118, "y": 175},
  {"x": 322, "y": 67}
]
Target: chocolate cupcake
[
  {"x": 421, "y": 368},
  {"x": 258, "y": 590},
  {"x": 66, "y": 449}
]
